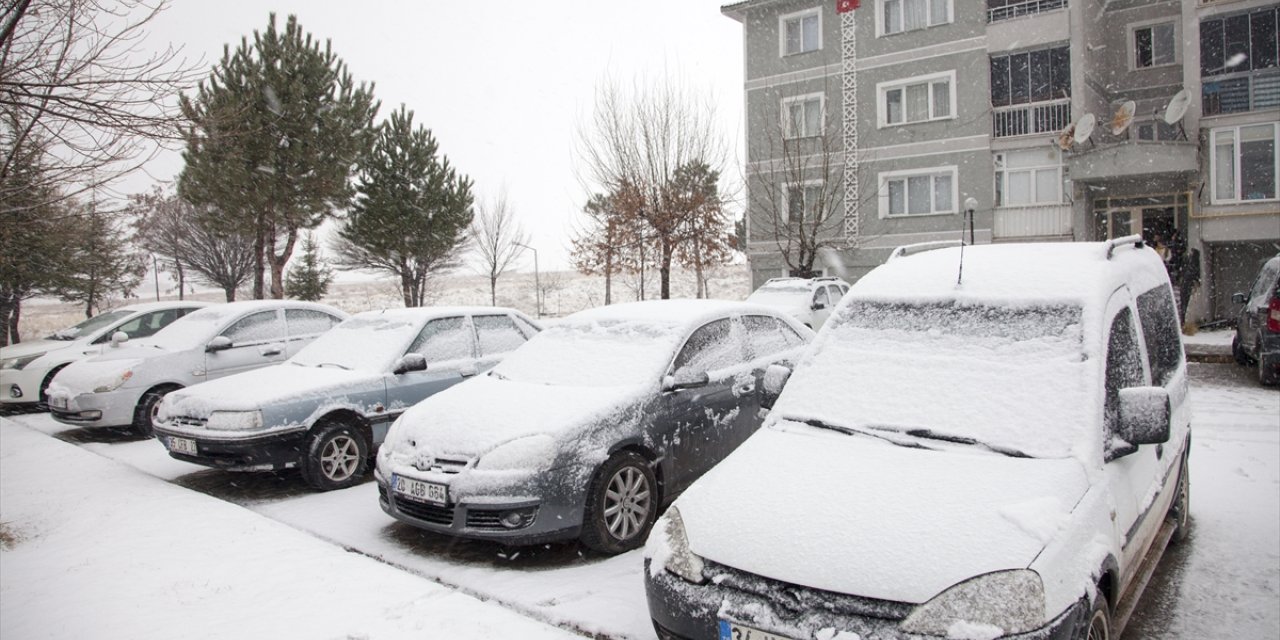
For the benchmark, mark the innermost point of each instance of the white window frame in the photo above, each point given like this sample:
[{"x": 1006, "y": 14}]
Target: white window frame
[
  {"x": 882, "y": 99},
  {"x": 880, "y": 13},
  {"x": 883, "y": 179},
  {"x": 1213, "y": 164},
  {"x": 787, "y": 133},
  {"x": 1135, "y": 27},
  {"x": 782, "y": 31},
  {"x": 1002, "y": 174},
  {"x": 786, "y": 196}
]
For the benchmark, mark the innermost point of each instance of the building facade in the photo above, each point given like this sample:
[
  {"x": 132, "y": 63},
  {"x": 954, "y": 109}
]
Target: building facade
[{"x": 1053, "y": 119}]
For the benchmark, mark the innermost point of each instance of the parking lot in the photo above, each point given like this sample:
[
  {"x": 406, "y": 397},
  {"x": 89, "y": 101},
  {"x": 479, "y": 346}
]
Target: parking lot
[{"x": 1224, "y": 583}]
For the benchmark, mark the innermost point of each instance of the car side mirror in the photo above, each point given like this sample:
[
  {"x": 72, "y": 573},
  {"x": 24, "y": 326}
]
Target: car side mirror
[
  {"x": 118, "y": 338},
  {"x": 818, "y": 306},
  {"x": 220, "y": 343},
  {"x": 1144, "y": 415},
  {"x": 685, "y": 381},
  {"x": 1239, "y": 298},
  {"x": 410, "y": 362}
]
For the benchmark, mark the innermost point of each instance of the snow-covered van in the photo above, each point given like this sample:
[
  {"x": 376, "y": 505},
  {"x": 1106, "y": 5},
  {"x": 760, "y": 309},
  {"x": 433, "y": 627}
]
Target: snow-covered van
[{"x": 985, "y": 446}]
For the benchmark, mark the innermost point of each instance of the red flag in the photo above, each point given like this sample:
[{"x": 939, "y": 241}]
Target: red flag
[{"x": 846, "y": 5}]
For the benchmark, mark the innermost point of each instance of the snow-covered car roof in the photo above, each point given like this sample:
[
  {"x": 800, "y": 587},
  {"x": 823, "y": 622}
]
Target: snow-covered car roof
[
  {"x": 198, "y": 325},
  {"x": 160, "y": 306},
  {"x": 671, "y": 312}
]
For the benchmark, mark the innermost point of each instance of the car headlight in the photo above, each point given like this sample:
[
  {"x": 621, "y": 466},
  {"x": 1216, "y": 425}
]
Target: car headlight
[
  {"x": 234, "y": 420},
  {"x": 668, "y": 549},
  {"x": 114, "y": 383},
  {"x": 531, "y": 453},
  {"x": 16, "y": 364},
  {"x": 1010, "y": 601}
]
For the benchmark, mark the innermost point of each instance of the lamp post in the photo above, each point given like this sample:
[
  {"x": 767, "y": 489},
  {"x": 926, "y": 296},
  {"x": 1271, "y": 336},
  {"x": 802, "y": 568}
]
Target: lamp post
[
  {"x": 970, "y": 204},
  {"x": 537, "y": 279},
  {"x": 155, "y": 271}
]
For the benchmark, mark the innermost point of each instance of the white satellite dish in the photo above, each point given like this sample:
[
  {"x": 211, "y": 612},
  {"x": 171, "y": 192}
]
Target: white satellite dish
[
  {"x": 1123, "y": 117},
  {"x": 1177, "y": 107},
  {"x": 1084, "y": 128}
]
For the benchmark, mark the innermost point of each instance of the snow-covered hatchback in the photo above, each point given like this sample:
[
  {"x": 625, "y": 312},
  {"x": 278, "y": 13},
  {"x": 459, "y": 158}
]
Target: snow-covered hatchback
[
  {"x": 1003, "y": 457},
  {"x": 808, "y": 300}
]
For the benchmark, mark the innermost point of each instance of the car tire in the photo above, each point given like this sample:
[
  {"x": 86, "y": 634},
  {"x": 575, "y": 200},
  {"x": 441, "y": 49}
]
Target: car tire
[
  {"x": 622, "y": 504},
  {"x": 144, "y": 415},
  {"x": 1098, "y": 624},
  {"x": 337, "y": 457},
  {"x": 1267, "y": 377},
  {"x": 1237, "y": 352},
  {"x": 1180, "y": 510},
  {"x": 43, "y": 395}
]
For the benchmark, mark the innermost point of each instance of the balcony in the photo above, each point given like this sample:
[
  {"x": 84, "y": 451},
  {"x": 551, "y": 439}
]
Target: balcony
[
  {"x": 1240, "y": 92},
  {"x": 1028, "y": 119},
  {"x": 998, "y": 10},
  {"x": 1131, "y": 159},
  {"x": 1014, "y": 223}
]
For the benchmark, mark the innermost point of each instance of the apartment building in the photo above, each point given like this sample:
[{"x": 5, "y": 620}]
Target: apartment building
[{"x": 877, "y": 126}]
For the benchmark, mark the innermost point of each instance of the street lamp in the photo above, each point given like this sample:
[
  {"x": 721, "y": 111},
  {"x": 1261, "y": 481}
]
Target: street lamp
[
  {"x": 537, "y": 279},
  {"x": 155, "y": 270},
  {"x": 970, "y": 204}
]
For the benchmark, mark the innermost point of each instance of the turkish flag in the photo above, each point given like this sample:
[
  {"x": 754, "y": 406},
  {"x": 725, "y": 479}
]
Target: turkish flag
[{"x": 846, "y": 5}]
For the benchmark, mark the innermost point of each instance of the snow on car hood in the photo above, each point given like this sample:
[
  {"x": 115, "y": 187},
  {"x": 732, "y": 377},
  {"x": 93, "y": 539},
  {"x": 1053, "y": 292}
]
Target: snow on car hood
[
  {"x": 858, "y": 515},
  {"x": 263, "y": 387},
  {"x": 32, "y": 347},
  {"x": 84, "y": 376},
  {"x": 472, "y": 418}
]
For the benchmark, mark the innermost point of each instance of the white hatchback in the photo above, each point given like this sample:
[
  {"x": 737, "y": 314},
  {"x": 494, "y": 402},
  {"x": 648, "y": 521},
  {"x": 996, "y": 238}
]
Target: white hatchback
[{"x": 809, "y": 300}]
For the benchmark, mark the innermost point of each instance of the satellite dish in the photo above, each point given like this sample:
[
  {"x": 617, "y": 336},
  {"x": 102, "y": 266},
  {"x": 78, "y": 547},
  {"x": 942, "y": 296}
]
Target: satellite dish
[
  {"x": 1177, "y": 107},
  {"x": 1084, "y": 128},
  {"x": 1123, "y": 117},
  {"x": 1066, "y": 137}
]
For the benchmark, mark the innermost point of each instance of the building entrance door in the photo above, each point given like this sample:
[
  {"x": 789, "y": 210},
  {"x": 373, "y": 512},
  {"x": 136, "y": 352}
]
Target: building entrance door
[{"x": 1147, "y": 221}]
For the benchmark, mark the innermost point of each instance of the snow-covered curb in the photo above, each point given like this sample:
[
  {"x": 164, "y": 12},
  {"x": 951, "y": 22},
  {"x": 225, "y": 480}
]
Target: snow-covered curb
[{"x": 103, "y": 550}]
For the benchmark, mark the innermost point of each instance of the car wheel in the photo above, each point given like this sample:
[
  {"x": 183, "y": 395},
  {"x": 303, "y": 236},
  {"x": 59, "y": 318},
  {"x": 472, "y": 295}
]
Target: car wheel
[
  {"x": 622, "y": 503},
  {"x": 337, "y": 457},
  {"x": 44, "y": 385},
  {"x": 144, "y": 415},
  {"x": 1237, "y": 352},
  {"x": 1180, "y": 511},
  {"x": 1266, "y": 375},
  {"x": 1099, "y": 626}
]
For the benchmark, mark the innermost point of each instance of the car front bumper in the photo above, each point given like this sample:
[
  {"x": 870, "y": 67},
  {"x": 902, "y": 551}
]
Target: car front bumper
[
  {"x": 250, "y": 452},
  {"x": 21, "y": 386},
  {"x": 106, "y": 409},
  {"x": 684, "y": 610}
]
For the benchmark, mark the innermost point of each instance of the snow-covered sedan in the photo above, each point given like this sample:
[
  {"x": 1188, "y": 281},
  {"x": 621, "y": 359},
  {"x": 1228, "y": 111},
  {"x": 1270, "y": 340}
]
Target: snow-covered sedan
[
  {"x": 26, "y": 369},
  {"x": 587, "y": 430},
  {"x": 123, "y": 387},
  {"x": 329, "y": 406},
  {"x": 1001, "y": 457}
]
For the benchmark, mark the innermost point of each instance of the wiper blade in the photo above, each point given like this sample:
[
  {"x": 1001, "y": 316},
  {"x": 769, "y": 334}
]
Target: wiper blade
[
  {"x": 333, "y": 364},
  {"x": 943, "y": 437},
  {"x": 862, "y": 432}
]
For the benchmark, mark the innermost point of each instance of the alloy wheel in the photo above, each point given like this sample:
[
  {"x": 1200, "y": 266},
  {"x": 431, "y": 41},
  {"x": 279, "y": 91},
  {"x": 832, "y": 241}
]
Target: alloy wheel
[
  {"x": 340, "y": 458},
  {"x": 627, "y": 502}
]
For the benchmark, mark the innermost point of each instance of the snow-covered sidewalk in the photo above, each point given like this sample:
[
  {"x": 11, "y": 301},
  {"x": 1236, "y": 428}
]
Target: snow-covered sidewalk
[{"x": 94, "y": 548}]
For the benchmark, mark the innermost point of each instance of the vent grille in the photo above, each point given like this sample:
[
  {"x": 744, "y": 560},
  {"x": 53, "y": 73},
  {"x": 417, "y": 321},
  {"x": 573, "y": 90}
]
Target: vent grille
[{"x": 434, "y": 514}]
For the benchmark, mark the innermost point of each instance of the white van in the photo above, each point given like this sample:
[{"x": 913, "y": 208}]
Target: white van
[{"x": 978, "y": 449}]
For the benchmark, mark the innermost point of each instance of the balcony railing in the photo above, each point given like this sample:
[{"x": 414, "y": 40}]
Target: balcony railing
[
  {"x": 1026, "y": 119},
  {"x": 1239, "y": 92},
  {"x": 1010, "y": 10}
]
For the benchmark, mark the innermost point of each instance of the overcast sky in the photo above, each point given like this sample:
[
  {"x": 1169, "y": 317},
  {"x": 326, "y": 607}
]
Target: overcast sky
[{"x": 502, "y": 84}]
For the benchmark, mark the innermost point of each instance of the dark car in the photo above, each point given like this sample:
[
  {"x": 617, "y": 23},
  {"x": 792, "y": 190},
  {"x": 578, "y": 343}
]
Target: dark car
[
  {"x": 590, "y": 427},
  {"x": 1257, "y": 338}
]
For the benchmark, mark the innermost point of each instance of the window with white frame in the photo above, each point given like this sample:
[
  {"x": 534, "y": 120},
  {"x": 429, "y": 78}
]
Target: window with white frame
[
  {"x": 802, "y": 116},
  {"x": 918, "y": 99},
  {"x": 1243, "y": 165},
  {"x": 801, "y": 32},
  {"x": 802, "y": 202},
  {"x": 1154, "y": 45},
  {"x": 1028, "y": 177},
  {"x": 896, "y": 16},
  {"x": 918, "y": 192}
]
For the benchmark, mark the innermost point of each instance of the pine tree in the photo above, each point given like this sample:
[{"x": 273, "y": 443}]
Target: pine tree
[{"x": 310, "y": 278}]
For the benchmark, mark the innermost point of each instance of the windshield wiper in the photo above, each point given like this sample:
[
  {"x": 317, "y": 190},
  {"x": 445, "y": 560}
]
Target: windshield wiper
[
  {"x": 333, "y": 364},
  {"x": 852, "y": 431},
  {"x": 943, "y": 437}
]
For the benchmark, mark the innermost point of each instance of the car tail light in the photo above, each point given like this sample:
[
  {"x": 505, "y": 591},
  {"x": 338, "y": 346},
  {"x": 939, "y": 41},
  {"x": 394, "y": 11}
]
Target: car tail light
[{"x": 1273, "y": 315}]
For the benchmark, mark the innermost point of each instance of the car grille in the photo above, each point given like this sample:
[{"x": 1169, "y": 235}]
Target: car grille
[
  {"x": 791, "y": 600},
  {"x": 441, "y": 464},
  {"x": 434, "y": 514},
  {"x": 188, "y": 421}
]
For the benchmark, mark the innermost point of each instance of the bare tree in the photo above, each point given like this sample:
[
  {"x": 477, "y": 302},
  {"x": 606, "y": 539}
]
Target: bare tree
[
  {"x": 71, "y": 75},
  {"x": 189, "y": 239},
  {"x": 497, "y": 237},
  {"x": 633, "y": 146}
]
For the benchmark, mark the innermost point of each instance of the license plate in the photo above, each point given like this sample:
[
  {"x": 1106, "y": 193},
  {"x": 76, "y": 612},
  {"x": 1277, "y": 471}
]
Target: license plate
[
  {"x": 731, "y": 631},
  {"x": 58, "y": 402},
  {"x": 182, "y": 445},
  {"x": 419, "y": 490}
]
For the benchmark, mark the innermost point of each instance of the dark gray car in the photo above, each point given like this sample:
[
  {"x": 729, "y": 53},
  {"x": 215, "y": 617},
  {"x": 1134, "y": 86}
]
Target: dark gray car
[
  {"x": 587, "y": 430},
  {"x": 1257, "y": 339}
]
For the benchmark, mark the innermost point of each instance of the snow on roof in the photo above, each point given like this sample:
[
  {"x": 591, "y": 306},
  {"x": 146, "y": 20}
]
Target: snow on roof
[
  {"x": 1032, "y": 273},
  {"x": 161, "y": 306},
  {"x": 668, "y": 312},
  {"x": 414, "y": 313}
]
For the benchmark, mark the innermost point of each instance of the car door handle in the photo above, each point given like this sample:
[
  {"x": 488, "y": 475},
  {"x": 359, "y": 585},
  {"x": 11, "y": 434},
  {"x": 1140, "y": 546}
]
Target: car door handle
[{"x": 272, "y": 351}]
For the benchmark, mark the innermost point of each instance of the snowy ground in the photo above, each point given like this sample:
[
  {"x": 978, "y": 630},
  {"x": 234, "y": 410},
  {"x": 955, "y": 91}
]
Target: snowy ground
[{"x": 102, "y": 546}]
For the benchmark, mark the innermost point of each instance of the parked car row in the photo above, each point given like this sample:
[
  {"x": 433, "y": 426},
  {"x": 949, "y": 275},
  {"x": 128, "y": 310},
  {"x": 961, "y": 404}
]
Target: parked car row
[{"x": 988, "y": 441}]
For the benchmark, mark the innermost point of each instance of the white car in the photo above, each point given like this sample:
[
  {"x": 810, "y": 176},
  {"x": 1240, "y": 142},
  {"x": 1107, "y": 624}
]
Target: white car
[
  {"x": 123, "y": 386},
  {"x": 27, "y": 368},
  {"x": 1003, "y": 457},
  {"x": 809, "y": 300}
]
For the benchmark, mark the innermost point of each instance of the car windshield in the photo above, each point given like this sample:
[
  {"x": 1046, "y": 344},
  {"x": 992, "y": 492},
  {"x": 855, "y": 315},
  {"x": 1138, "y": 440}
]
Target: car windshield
[
  {"x": 1010, "y": 378},
  {"x": 90, "y": 326},
  {"x": 781, "y": 295},
  {"x": 595, "y": 354},
  {"x": 192, "y": 330},
  {"x": 361, "y": 343}
]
